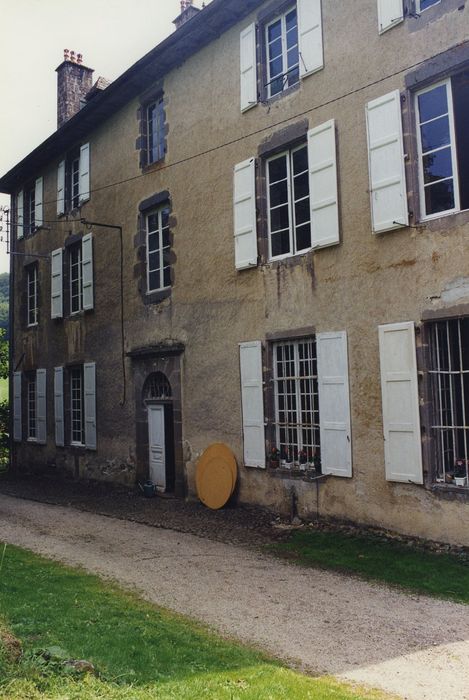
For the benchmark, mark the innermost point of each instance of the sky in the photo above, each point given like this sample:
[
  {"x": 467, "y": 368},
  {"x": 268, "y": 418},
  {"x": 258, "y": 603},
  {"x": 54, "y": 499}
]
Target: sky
[{"x": 111, "y": 35}]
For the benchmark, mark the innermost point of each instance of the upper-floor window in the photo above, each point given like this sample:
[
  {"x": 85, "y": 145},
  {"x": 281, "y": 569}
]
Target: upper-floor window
[
  {"x": 29, "y": 208},
  {"x": 32, "y": 294},
  {"x": 422, "y": 5},
  {"x": 158, "y": 250},
  {"x": 76, "y": 279},
  {"x": 283, "y": 69},
  {"x": 156, "y": 131},
  {"x": 73, "y": 180}
]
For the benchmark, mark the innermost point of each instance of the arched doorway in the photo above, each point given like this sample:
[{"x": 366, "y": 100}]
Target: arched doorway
[{"x": 158, "y": 401}]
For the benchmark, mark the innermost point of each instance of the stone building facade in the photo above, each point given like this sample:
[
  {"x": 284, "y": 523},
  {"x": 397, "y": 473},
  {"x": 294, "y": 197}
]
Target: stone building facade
[{"x": 257, "y": 235}]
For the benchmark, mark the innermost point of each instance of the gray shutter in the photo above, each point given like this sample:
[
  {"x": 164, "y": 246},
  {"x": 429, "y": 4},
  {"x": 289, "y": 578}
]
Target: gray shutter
[
  {"x": 386, "y": 163},
  {"x": 324, "y": 196},
  {"x": 87, "y": 271},
  {"x": 84, "y": 173},
  {"x": 38, "y": 199},
  {"x": 61, "y": 188},
  {"x": 248, "y": 68},
  {"x": 59, "y": 406},
  {"x": 390, "y": 13},
  {"x": 56, "y": 284},
  {"x": 310, "y": 36},
  {"x": 41, "y": 406},
  {"x": 89, "y": 376},
  {"x": 245, "y": 216},
  {"x": 252, "y": 399},
  {"x": 334, "y": 404},
  {"x": 17, "y": 422},
  {"x": 20, "y": 215}
]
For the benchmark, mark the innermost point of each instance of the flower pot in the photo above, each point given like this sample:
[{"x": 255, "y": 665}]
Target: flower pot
[{"x": 460, "y": 481}]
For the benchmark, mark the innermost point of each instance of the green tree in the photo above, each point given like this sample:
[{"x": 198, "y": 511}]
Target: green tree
[{"x": 4, "y": 406}]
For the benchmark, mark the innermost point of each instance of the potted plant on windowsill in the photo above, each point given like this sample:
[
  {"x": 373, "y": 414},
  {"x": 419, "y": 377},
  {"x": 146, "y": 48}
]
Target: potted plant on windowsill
[
  {"x": 274, "y": 458},
  {"x": 303, "y": 459},
  {"x": 460, "y": 472},
  {"x": 283, "y": 458}
]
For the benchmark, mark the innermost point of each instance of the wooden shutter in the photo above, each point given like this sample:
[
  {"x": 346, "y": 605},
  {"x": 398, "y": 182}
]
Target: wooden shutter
[
  {"x": 59, "y": 406},
  {"x": 245, "y": 219},
  {"x": 20, "y": 215},
  {"x": 61, "y": 188},
  {"x": 310, "y": 36},
  {"x": 324, "y": 197},
  {"x": 401, "y": 419},
  {"x": 41, "y": 407},
  {"x": 334, "y": 404},
  {"x": 56, "y": 284},
  {"x": 87, "y": 271},
  {"x": 89, "y": 376},
  {"x": 390, "y": 13},
  {"x": 248, "y": 67},
  {"x": 38, "y": 199},
  {"x": 17, "y": 422},
  {"x": 386, "y": 163},
  {"x": 84, "y": 173},
  {"x": 252, "y": 399}
]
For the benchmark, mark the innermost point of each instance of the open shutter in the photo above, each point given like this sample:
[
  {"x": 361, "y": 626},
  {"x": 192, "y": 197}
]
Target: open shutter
[
  {"x": 248, "y": 67},
  {"x": 84, "y": 173},
  {"x": 61, "y": 188},
  {"x": 20, "y": 215},
  {"x": 41, "y": 415},
  {"x": 334, "y": 404},
  {"x": 252, "y": 398},
  {"x": 56, "y": 284},
  {"x": 87, "y": 271},
  {"x": 324, "y": 198},
  {"x": 17, "y": 422},
  {"x": 59, "y": 406},
  {"x": 399, "y": 387},
  {"x": 245, "y": 221},
  {"x": 386, "y": 163},
  {"x": 38, "y": 199},
  {"x": 390, "y": 13},
  {"x": 89, "y": 374},
  {"x": 310, "y": 36}
]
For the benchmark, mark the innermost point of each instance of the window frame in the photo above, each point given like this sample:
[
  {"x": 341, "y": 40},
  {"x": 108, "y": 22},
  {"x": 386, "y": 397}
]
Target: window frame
[
  {"x": 160, "y": 136},
  {"x": 77, "y": 370},
  {"x": 31, "y": 407},
  {"x": 76, "y": 248},
  {"x": 280, "y": 17},
  {"x": 32, "y": 270},
  {"x": 161, "y": 249},
  {"x": 419, "y": 9}
]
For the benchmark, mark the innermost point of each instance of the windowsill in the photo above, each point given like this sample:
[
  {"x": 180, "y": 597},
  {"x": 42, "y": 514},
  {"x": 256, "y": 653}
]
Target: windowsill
[
  {"x": 77, "y": 445},
  {"x": 451, "y": 491},
  {"x": 157, "y": 296},
  {"x": 151, "y": 167},
  {"x": 268, "y": 101},
  {"x": 32, "y": 325},
  {"x": 32, "y": 440},
  {"x": 295, "y": 473}
]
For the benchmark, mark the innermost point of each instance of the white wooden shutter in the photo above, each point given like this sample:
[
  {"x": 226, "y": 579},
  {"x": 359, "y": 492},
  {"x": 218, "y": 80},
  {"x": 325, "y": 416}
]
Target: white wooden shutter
[
  {"x": 324, "y": 198},
  {"x": 245, "y": 218},
  {"x": 334, "y": 404},
  {"x": 399, "y": 387},
  {"x": 41, "y": 406},
  {"x": 20, "y": 215},
  {"x": 87, "y": 271},
  {"x": 252, "y": 399},
  {"x": 386, "y": 163},
  {"x": 248, "y": 67},
  {"x": 56, "y": 284},
  {"x": 38, "y": 200},
  {"x": 17, "y": 422},
  {"x": 310, "y": 36},
  {"x": 390, "y": 13},
  {"x": 59, "y": 406},
  {"x": 61, "y": 188},
  {"x": 84, "y": 173},
  {"x": 89, "y": 376}
]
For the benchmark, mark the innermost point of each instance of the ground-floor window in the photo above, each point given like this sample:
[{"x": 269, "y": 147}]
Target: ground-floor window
[
  {"x": 32, "y": 407},
  {"x": 77, "y": 406}
]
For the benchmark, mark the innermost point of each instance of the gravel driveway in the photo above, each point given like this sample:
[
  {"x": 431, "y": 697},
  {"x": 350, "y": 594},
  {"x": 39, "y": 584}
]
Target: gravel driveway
[{"x": 413, "y": 646}]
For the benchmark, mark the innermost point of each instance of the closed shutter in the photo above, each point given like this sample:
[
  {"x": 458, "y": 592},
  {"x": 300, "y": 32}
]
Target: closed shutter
[
  {"x": 87, "y": 271},
  {"x": 334, "y": 404},
  {"x": 248, "y": 67},
  {"x": 310, "y": 36},
  {"x": 245, "y": 219},
  {"x": 89, "y": 374},
  {"x": 59, "y": 406},
  {"x": 252, "y": 399},
  {"x": 84, "y": 173},
  {"x": 38, "y": 199},
  {"x": 386, "y": 163},
  {"x": 61, "y": 188},
  {"x": 399, "y": 387},
  {"x": 20, "y": 215},
  {"x": 17, "y": 422},
  {"x": 56, "y": 284},
  {"x": 390, "y": 13},
  {"x": 324, "y": 198},
  {"x": 41, "y": 406}
]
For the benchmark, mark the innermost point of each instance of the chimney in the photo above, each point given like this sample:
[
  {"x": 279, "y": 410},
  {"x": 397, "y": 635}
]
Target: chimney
[
  {"x": 188, "y": 11},
  {"x": 74, "y": 81}
]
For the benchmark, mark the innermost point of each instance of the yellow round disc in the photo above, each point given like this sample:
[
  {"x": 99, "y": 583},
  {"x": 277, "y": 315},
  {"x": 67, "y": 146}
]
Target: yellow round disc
[{"x": 216, "y": 475}]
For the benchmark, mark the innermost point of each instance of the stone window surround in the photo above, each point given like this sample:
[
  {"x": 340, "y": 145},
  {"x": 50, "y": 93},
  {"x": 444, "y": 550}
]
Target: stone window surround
[{"x": 156, "y": 92}]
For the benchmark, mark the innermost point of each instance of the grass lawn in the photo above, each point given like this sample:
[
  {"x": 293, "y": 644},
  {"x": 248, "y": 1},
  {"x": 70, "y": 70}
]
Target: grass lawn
[
  {"x": 139, "y": 651},
  {"x": 3, "y": 389},
  {"x": 378, "y": 559}
]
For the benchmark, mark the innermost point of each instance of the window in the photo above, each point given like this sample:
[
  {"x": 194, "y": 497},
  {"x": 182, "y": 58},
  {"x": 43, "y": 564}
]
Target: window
[
  {"x": 73, "y": 180},
  {"x": 77, "y": 406},
  {"x": 422, "y": 5},
  {"x": 33, "y": 297},
  {"x": 283, "y": 68},
  {"x": 289, "y": 214},
  {"x": 156, "y": 131},
  {"x": 158, "y": 250},
  {"x": 443, "y": 144},
  {"x": 32, "y": 407},
  {"x": 30, "y": 210},
  {"x": 76, "y": 279},
  {"x": 72, "y": 183}
]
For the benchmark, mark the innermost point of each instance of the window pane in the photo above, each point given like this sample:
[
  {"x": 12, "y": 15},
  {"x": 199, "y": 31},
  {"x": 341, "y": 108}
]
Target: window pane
[
  {"x": 276, "y": 67},
  {"x": 167, "y": 277},
  {"x": 278, "y": 169},
  {"x": 300, "y": 160},
  {"x": 301, "y": 186},
  {"x": 433, "y": 103},
  {"x": 152, "y": 242},
  {"x": 154, "y": 280},
  {"x": 302, "y": 212},
  {"x": 303, "y": 237},
  {"x": 435, "y": 134},
  {"x": 278, "y": 193},
  {"x": 293, "y": 77},
  {"x": 439, "y": 197},
  {"x": 292, "y": 57},
  {"x": 154, "y": 260},
  {"x": 153, "y": 222},
  {"x": 290, "y": 20},
  {"x": 165, "y": 217},
  {"x": 275, "y": 50},
  {"x": 437, "y": 165},
  {"x": 274, "y": 31},
  {"x": 276, "y": 86},
  {"x": 166, "y": 238},
  {"x": 280, "y": 243},
  {"x": 427, "y": 3},
  {"x": 279, "y": 218}
]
